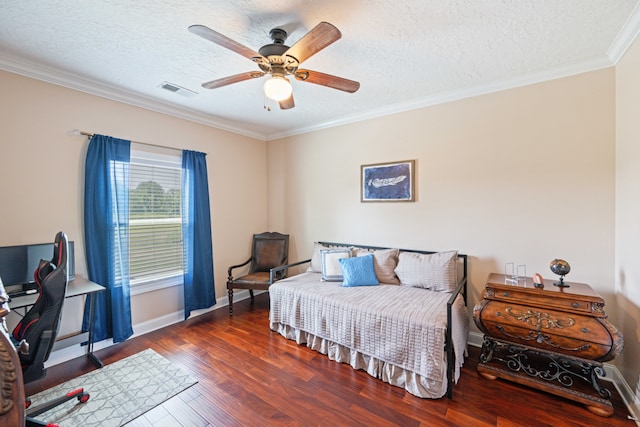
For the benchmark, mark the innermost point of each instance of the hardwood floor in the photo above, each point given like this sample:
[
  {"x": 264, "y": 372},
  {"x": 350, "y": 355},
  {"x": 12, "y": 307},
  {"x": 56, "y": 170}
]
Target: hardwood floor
[{"x": 250, "y": 376}]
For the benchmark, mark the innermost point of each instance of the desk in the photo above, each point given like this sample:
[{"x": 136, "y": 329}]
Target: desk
[
  {"x": 77, "y": 287},
  {"x": 11, "y": 385}
]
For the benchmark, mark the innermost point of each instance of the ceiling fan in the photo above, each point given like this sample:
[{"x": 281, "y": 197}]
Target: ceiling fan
[{"x": 280, "y": 61}]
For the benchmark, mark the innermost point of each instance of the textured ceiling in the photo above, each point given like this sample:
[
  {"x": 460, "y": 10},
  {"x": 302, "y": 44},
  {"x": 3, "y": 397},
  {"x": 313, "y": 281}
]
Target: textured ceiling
[{"x": 405, "y": 54}]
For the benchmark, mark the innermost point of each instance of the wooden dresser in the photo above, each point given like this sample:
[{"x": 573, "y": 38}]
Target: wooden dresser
[{"x": 554, "y": 339}]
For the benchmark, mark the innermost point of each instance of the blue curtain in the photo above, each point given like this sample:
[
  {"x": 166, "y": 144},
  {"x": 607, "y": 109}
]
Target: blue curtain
[
  {"x": 199, "y": 287},
  {"x": 106, "y": 236}
]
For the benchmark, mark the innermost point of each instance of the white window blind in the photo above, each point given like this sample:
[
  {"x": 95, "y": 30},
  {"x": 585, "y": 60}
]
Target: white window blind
[{"x": 155, "y": 234}]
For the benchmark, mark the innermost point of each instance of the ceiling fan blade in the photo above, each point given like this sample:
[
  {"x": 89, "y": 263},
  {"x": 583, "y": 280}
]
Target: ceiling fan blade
[
  {"x": 224, "y": 41},
  {"x": 287, "y": 103},
  {"x": 213, "y": 84},
  {"x": 320, "y": 36},
  {"x": 327, "y": 80}
]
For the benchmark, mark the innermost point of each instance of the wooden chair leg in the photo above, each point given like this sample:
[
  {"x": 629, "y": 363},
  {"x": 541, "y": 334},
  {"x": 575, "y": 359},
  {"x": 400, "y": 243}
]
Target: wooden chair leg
[
  {"x": 230, "y": 291},
  {"x": 251, "y": 293}
]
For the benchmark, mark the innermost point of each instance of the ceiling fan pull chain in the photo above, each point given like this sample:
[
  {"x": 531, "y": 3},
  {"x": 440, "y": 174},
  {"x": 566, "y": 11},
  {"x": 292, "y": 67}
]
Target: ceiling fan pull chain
[{"x": 267, "y": 105}]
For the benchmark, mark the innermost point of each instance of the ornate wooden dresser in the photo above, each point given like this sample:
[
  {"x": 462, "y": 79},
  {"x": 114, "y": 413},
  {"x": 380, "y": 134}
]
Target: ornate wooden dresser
[{"x": 554, "y": 339}]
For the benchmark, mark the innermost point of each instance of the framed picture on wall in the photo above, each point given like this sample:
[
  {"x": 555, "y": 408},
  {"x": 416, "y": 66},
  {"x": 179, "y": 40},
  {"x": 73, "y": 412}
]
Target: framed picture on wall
[{"x": 388, "y": 182}]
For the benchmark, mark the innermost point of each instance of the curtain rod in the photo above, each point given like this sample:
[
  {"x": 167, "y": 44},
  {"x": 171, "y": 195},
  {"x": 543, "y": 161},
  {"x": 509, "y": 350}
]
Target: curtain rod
[{"x": 89, "y": 134}]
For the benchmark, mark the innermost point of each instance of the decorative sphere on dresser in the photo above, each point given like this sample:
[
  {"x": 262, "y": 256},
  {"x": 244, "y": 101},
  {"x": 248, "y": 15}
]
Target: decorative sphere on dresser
[{"x": 561, "y": 268}]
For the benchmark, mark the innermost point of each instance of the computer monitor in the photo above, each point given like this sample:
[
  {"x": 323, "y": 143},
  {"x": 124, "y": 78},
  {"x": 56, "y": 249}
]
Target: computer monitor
[{"x": 18, "y": 263}]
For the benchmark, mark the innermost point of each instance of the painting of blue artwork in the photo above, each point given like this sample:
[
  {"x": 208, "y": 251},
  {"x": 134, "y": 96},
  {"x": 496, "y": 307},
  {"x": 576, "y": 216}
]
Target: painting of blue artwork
[{"x": 388, "y": 182}]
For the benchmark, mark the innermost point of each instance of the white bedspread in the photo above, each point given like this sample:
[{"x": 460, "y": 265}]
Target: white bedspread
[{"x": 395, "y": 333}]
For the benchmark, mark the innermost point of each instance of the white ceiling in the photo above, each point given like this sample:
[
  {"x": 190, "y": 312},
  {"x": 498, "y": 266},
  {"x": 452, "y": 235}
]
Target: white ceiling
[{"x": 406, "y": 54}]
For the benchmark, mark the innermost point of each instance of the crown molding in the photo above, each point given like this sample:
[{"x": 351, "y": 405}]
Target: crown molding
[
  {"x": 627, "y": 35},
  {"x": 82, "y": 84},
  {"x": 455, "y": 95},
  {"x": 93, "y": 87}
]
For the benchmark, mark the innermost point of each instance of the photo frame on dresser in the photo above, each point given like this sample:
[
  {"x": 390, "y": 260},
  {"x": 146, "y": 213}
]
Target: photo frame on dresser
[{"x": 388, "y": 182}]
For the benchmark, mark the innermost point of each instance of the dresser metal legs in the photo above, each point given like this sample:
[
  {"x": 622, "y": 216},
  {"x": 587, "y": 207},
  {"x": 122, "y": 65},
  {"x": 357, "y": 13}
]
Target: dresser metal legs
[{"x": 571, "y": 377}]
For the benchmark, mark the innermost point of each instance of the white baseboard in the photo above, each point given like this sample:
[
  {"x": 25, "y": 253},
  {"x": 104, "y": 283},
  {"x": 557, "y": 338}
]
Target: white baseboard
[
  {"x": 628, "y": 396},
  {"x": 475, "y": 339},
  {"x": 71, "y": 352}
]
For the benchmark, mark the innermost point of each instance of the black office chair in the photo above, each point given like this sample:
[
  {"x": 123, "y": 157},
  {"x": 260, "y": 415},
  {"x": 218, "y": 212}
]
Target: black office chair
[
  {"x": 36, "y": 332},
  {"x": 268, "y": 250}
]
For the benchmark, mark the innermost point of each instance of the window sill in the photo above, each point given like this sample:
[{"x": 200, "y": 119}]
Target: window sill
[{"x": 156, "y": 285}]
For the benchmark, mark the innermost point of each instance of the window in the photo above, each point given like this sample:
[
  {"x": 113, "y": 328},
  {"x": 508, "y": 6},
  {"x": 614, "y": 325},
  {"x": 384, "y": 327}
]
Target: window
[{"x": 155, "y": 234}]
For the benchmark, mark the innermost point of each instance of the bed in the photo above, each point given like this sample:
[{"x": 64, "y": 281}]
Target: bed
[{"x": 398, "y": 332}]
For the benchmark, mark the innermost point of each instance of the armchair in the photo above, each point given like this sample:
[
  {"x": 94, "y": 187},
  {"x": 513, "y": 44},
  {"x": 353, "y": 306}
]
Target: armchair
[{"x": 268, "y": 250}]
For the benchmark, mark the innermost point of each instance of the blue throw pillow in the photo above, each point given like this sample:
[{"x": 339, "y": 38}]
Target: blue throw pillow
[{"x": 358, "y": 271}]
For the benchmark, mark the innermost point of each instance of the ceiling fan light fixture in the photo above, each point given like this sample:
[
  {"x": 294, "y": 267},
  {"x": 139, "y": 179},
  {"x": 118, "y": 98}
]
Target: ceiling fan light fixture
[{"x": 277, "y": 88}]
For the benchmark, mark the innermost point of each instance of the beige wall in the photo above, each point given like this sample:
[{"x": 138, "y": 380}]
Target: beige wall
[
  {"x": 42, "y": 170},
  {"x": 524, "y": 175},
  {"x": 627, "y": 269}
]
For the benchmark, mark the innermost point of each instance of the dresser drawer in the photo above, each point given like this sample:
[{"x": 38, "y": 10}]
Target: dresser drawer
[
  {"x": 527, "y": 297},
  {"x": 567, "y": 333}
]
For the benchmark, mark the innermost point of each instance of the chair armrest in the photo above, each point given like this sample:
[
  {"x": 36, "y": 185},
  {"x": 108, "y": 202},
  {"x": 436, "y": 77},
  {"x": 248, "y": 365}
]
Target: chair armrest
[
  {"x": 274, "y": 270},
  {"x": 230, "y": 278}
]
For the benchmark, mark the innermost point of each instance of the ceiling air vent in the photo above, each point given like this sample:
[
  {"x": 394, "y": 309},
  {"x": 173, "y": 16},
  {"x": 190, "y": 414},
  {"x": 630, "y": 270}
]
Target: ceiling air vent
[{"x": 178, "y": 89}]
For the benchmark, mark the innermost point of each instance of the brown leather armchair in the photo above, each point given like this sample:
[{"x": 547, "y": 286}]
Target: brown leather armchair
[{"x": 268, "y": 250}]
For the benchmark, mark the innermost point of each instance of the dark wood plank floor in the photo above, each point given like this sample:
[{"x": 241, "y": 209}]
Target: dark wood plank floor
[{"x": 250, "y": 376}]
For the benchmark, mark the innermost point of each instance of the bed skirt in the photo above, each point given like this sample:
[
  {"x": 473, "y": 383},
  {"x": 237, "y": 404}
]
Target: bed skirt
[{"x": 410, "y": 381}]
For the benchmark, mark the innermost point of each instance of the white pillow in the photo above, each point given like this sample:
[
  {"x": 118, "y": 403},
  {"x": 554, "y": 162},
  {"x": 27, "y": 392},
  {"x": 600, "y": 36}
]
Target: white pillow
[
  {"x": 316, "y": 258},
  {"x": 430, "y": 271},
  {"x": 331, "y": 270}
]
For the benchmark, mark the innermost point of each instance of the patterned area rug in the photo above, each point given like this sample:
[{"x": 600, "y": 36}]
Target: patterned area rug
[{"x": 119, "y": 392}]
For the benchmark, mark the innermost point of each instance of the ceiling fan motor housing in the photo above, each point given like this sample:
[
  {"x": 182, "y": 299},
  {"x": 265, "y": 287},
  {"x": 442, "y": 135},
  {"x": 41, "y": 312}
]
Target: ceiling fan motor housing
[
  {"x": 278, "y": 63},
  {"x": 273, "y": 50}
]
